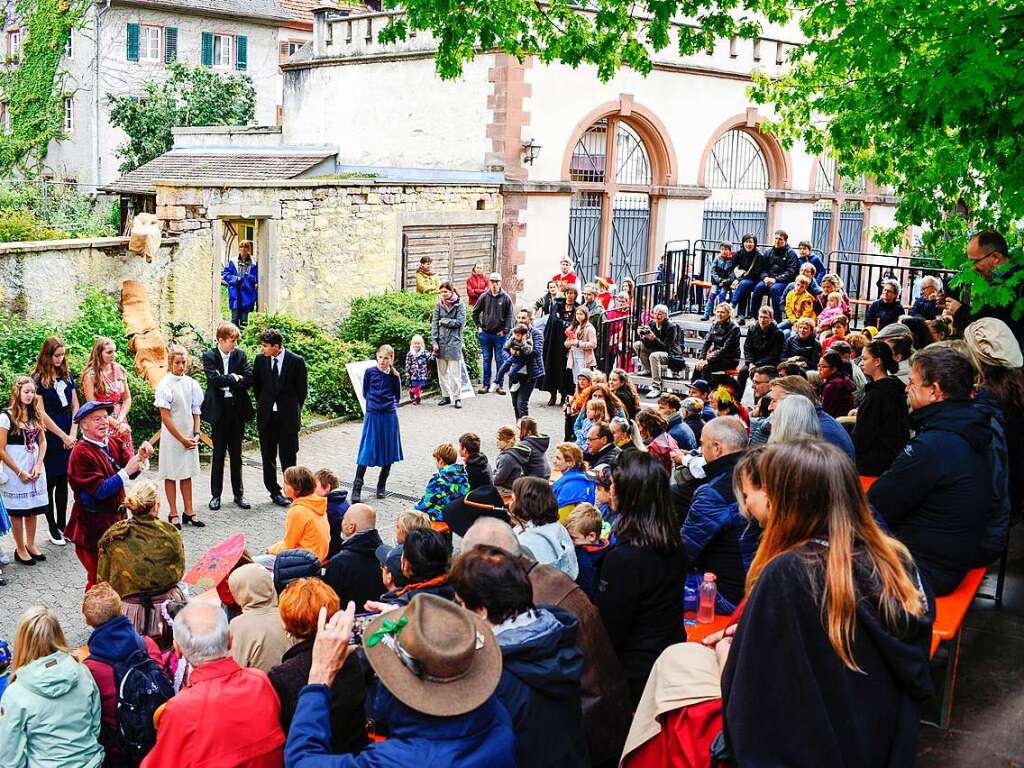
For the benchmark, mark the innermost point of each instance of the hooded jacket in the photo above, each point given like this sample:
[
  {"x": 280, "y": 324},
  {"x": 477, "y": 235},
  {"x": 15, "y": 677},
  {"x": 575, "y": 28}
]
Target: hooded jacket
[
  {"x": 354, "y": 573},
  {"x": 306, "y": 527},
  {"x": 837, "y": 395},
  {"x": 883, "y": 425},
  {"x": 937, "y": 494},
  {"x": 572, "y": 488},
  {"x": 481, "y": 738},
  {"x": 478, "y": 470},
  {"x": 550, "y": 543},
  {"x": 540, "y": 688},
  {"x": 337, "y": 506},
  {"x": 763, "y": 347},
  {"x": 50, "y": 715},
  {"x": 538, "y": 465},
  {"x": 258, "y": 638},
  {"x": 449, "y": 482},
  {"x": 783, "y": 670},
  {"x": 511, "y": 465}
]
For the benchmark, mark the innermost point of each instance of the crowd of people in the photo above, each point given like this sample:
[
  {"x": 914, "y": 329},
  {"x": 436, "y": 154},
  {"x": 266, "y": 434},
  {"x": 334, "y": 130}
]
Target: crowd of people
[{"x": 534, "y": 608}]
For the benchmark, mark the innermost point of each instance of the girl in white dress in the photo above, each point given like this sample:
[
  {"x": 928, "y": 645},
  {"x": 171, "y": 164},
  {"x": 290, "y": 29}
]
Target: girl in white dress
[
  {"x": 179, "y": 398},
  {"x": 22, "y": 450}
]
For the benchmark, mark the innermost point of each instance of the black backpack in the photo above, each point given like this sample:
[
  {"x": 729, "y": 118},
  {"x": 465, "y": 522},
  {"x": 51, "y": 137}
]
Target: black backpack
[{"x": 142, "y": 687}]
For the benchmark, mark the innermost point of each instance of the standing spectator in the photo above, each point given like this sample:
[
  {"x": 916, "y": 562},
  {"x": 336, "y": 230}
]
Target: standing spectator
[
  {"x": 883, "y": 422},
  {"x": 805, "y": 252},
  {"x": 802, "y": 343},
  {"x": 427, "y": 280},
  {"x": 227, "y": 716},
  {"x": 416, "y": 367},
  {"x": 565, "y": 277},
  {"x": 446, "y": 325},
  {"x": 782, "y": 265},
  {"x": 572, "y": 486},
  {"x": 721, "y": 279},
  {"x": 670, "y": 409},
  {"x": 106, "y": 380},
  {"x": 280, "y": 383},
  {"x": 640, "y": 591},
  {"x": 354, "y": 573},
  {"x": 557, "y": 382},
  {"x": 837, "y": 394},
  {"x": 580, "y": 343},
  {"x": 380, "y": 444},
  {"x": 51, "y": 714},
  {"x": 763, "y": 346},
  {"x": 606, "y": 292},
  {"x": 227, "y": 406},
  {"x": 543, "y": 306},
  {"x": 541, "y": 664},
  {"x": 625, "y": 390},
  {"x": 886, "y": 309},
  {"x": 258, "y": 639},
  {"x": 242, "y": 280},
  {"x": 531, "y": 374},
  {"x": 937, "y": 494},
  {"x": 476, "y": 284},
  {"x": 478, "y": 470},
  {"x": 305, "y": 523},
  {"x": 301, "y": 604},
  {"x": 750, "y": 265},
  {"x": 328, "y": 486},
  {"x": 492, "y": 317},
  {"x": 23, "y": 452},
  {"x": 55, "y": 386},
  {"x": 449, "y": 482},
  {"x": 658, "y": 345},
  {"x": 595, "y": 310},
  {"x": 179, "y": 399},
  {"x": 97, "y": 472},
  {"x": 721, "y": 350},
  {"x": 535, "y": 513}
]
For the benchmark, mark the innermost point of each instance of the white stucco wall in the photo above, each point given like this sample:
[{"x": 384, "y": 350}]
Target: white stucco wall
[{"x": 545, "y": 243}]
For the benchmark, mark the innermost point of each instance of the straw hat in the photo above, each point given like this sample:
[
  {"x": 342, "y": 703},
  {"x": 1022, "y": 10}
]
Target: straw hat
[{"x": 434, "y": 657}]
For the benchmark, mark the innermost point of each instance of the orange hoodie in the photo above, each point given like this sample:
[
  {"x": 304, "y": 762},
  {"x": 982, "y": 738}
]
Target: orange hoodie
[{"x": 306, "y": 527}]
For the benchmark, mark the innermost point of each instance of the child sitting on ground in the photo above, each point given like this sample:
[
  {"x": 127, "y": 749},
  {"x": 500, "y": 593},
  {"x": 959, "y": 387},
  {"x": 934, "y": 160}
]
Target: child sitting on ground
[
  {"x": 449, "y": 482},
  {"x": 408, "y": 521},
  {"x": 584, "y": 525},
  {"x": 328, "y": 486},
  {"x": 840, "y": 327},
  {"x": 518, "y": 354},
  {"x": 478, "y": 469},
  {"x": 416, "y": 367}
]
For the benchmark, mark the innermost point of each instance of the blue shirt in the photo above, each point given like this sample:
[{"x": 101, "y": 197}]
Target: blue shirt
[{"x": 381, "y": 391}]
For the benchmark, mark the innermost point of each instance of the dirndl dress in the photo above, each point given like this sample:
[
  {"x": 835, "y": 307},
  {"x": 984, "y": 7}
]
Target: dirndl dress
[
  {"x": 5, "y": 519},
  {"x": 23, "y": 499},
  {"x": 381, "y": 441}
]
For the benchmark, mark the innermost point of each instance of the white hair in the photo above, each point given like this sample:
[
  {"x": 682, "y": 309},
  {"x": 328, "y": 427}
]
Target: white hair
[
  {"x": 793, "y": 418},
  {"x": 730, "y": 431},
  {"x": 660, "y": 308},
  {"x": 492, "y": 531},
  {"x": 931, "y": 280},
  {"x": 201, "y": 633}
]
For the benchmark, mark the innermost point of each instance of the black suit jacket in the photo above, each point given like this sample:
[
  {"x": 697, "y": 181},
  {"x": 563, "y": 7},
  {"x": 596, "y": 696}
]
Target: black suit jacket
[
  {"x": 289, "y": 391},
  {"x": 217, "y": 379}
]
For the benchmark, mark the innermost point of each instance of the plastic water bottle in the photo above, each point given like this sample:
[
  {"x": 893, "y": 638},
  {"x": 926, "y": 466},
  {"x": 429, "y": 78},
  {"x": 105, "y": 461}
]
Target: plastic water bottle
[{"x": 706, "y": 599}]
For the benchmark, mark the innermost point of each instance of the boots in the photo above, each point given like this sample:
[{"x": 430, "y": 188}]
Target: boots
[
  {"x": 357, "y": 490},
  {"x": 382, "y": 480}
]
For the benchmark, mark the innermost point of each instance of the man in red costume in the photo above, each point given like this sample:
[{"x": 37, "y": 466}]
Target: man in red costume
[
  {"x": 97, "y": 472},
  {"x": 565, "y": 276}
]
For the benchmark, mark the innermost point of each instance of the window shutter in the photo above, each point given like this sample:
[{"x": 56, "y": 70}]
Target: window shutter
[
  {"x": 170, "y": 44},
  {"x": 133, "y": 42},
  {"x": 241, "y": 52},
  {"x": 282, "y": 52},
  {"x": 208, "y": 49}
]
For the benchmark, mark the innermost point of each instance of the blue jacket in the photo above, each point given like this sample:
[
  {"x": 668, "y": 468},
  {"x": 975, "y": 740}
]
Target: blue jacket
[
  {"x": 881, "y": 314},
  {"x": 573, "y": 487},
  {"x": 478, "y": 739},
  {"x": 337, "y": 506},
  {"x": 681, "y": 432},
  {"x": 382, "y": 391},
  {"x": 929, "y": 310},
  {"x": 716, "y": 537},
  {"x": 241, "y": 285},
  {"x": 540, "y": 688},
  {"x": 819, "y": 266}
]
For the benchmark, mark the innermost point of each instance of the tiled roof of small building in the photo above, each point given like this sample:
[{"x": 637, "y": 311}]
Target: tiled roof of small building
[{"x": 271, "y": 10}]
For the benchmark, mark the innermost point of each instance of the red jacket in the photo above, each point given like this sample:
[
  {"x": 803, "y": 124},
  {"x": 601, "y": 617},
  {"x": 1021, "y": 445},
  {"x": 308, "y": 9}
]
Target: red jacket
[
  {"x": 227, "y": 717},
  {"x": 476, "y": 286},
  {"x": 88, "y": 468}
]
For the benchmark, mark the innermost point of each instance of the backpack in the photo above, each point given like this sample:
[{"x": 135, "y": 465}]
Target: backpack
[{"x": 142, "y": 687}]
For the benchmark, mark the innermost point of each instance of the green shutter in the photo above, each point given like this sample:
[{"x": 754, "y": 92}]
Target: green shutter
[
  {"x": 208, "y": 49},
  {"x": 133, "y": 42},
  {"x": 241, "y": 52},
  {"x": 170, "y": 44}
]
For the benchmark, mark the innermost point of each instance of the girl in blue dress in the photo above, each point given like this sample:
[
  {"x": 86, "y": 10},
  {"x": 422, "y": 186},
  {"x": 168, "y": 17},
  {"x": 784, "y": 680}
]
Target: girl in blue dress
[{"x": 381, "y": 441}]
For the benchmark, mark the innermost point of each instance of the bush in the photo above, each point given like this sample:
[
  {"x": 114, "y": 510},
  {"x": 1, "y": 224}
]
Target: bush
[
  {"x": 21, "y": 225},
  {"x": 42, "y": 210}
]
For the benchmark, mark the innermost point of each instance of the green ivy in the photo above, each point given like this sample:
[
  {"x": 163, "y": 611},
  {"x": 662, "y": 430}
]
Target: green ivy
[{"x": 34, "y": 86}]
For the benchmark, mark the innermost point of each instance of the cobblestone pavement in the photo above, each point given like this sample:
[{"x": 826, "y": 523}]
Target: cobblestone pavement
[{"x": 58, "y": 583}]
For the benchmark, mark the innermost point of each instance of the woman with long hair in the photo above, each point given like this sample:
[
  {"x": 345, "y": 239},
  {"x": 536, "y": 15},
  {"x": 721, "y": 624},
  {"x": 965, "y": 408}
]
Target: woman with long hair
[
  {"x": 105, "y": 379},
  {"x": 644, "y": 571},
  {"x": 795, "y": 418},
  {"x": 624, "y": 389},
  {"x": 580, "y": 343},
  {"x": 883, "y": 419},
  {"x": 23, "y": 453},
  {"x": 55, "y": 388},
  {"x": 557, "y": 382},
  {"x": 837, "y": 391},
  {"x": 836, "y": 628}
]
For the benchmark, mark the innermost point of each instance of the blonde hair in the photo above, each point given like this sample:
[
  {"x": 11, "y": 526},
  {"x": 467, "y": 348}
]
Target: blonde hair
[
  {"x": 100, "y": 604},
  {"x": 584, "y": 520},
  {"x": 143, "y": 499},
  {"x": 414, "y": 339},
  {"x": 38, "y": 634},
  {"x": 804, "y": 321},
  {"x": 410, "y": 520},
  {"x": 386, "y": 349},
  {"x": 228, "y": 330},
  {"x": 726, "y": 306},
  {"x": 446, "y": 452},
  {"x": 598, "y": 405},
  {"x": 572, "y": 452},
  {"x": 176, "y": 350}
]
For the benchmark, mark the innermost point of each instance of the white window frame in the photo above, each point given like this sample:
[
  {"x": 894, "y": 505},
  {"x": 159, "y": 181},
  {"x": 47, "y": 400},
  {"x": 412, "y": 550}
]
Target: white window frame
[
  {"x": 5, "y": 117},
  {"x": 145, "y": 43},
  {"x": 14, "y": 43},
  {"x": 69, "y": 47},
  {"x": 226, "y": 43},
  {"x": 69, "y": 114},
  {"x": 294, "y": 45}
]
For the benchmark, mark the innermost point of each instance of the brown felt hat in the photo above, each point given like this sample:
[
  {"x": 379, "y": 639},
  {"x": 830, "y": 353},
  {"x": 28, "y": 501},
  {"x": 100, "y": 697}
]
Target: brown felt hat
[{"x": 434, "y": 657}]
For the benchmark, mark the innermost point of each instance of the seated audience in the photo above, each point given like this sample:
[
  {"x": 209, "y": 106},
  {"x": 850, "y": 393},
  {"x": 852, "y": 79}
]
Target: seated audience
[
  {"x": 512, "y": 460},
  {"x": 800, "y": 302},
  {"x": 485, "y": 501},
  {"x": 300, "y": 608},
  {"x": 921, "y": 334},
  {"x": 535, "y": 513},
  {"x": 837, "y": 392},
  {"x": 887, "y": 308},
  {"x": 658, "y": 346},
  {"x": 584, "y": 526},
  {"x": 831, "y": 430},
  {"x": 328, "y": 486},
  {"x": 883, "y": 419},
  {"x": 602, "y": 477},
  {"x": 227, "y": 715},
  {"x": 424, "y": 568},
  {"x": 899, "y": 337},
  {"x": 603, "y": 443},
  {"x": 143, "y": 559},
  {"x": 763, "y": 345},
  {"x": 258, "y": 638},
  {"x": 795, "y": 418},
  {"x": 693, "y": 416},
  {"x": 840, "y": 327},
  {"x": 541, "y": 664},
  {"x": 700, "y": 389},
  {"x": 625, "y": 390},
  {"x": 654, "y": 432},
  {"x": 802, "y": 345},
  {"x": 573, "y": 486},
  {"x": 926, "y": 305},
  {"x": 716, "y": 537},
  {"x": 305, "y": 523},
  {"x": 640, "y": 594},
  {"x": 407, "y": 521},
  {"x": 354, "y": 573},
  {"x": 289, "y": 566},
  {"x": 594, "y": 412},
  {"x": 860, "y": 379},
  {"x": 537, "y": 465},
  {"x": 670, "y": 409},
  {"x": 721, "y": 350},
  {"x": 449, "y": 482},
  {"x": 478, "y": 469},
  {"x": 438, "y": 708},
  {"x": 721, "y": 278},
  {"x": 937, "y": 494},
  {"x": 51, "y": 713},
  {"x": 761, "y": 387}
]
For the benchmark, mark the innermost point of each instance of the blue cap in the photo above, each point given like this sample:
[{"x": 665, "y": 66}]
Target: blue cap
[
  {"x": 391, "y": 558},
  {"x": 89, "y": 407},
  {"x": 701, "y": 386}
]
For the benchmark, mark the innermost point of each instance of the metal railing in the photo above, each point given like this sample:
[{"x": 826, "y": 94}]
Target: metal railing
[
  {"x": 863, "y": 279},
  {"x": 615, "y": 343}
]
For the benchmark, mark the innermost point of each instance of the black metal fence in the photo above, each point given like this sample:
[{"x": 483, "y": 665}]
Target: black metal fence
[
  {"x": 864, "y": 275},
  {"x": 615, "y": 343}
]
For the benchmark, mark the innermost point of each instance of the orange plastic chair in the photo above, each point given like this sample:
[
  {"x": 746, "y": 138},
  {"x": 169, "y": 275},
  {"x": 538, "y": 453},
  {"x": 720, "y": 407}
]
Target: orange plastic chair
[
  {"x": 948, "y": 627},
  {"x": 440, "y": 526},
  {"x": 697, "y": 632},
  {"x": 867, "y": 482}
]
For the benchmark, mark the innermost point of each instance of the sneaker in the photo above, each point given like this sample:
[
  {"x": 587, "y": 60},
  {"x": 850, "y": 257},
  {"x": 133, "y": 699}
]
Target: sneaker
[
  {"x": 513, "y": 387},
  {"x": 705, "y": 318},
  {"x": 483, "y": 390},
  {"x": 500, "y": 391},
  {"x": 59, "y": 540},
  {"x": 444, "y": 401},
  {"x": 458, "y": 403},
  {"x": 654, "y": 393},
  {"x": 741, "y": 320}
]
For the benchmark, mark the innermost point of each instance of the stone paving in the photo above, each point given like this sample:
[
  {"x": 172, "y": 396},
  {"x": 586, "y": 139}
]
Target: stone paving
[{"x": 58, "y": 583}]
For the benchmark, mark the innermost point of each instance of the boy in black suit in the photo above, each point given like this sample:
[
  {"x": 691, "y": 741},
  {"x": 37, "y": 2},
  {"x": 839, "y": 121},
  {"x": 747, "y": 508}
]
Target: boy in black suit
[
  {"x": 280, "y": 384},
  {"x": 227, "y": 407}
]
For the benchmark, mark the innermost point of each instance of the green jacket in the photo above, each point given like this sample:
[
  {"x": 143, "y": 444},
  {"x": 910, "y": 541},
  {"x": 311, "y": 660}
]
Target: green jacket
[
  {"x": 50, "y": 716},
  {"x": 142, "y": 554}
]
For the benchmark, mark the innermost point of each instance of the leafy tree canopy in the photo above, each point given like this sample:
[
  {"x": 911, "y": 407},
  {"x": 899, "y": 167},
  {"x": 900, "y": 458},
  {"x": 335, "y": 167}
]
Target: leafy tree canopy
[
  {"x": 189, "y": 96},
  {"x": 927, "y": 98}
]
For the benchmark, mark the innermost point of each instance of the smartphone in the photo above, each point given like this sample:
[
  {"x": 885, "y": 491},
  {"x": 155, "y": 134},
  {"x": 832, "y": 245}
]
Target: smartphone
[{"x": 362, "y": 621}]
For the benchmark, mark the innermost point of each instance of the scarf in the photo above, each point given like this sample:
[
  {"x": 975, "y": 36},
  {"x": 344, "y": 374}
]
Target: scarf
[
  {"x": 425, "y": 269},
  {"x": 449, "y": 303},
  {"x": 434, "y": 582}
]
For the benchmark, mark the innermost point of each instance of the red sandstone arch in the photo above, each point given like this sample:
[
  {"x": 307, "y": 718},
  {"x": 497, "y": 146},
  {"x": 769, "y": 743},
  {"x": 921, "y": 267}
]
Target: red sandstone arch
[{"x": 780, "y": 167}]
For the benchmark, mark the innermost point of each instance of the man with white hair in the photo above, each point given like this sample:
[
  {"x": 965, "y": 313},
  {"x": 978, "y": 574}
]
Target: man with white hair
[
  {"x": 659, "y": 342},
  {"x": 227, "y": 715}
]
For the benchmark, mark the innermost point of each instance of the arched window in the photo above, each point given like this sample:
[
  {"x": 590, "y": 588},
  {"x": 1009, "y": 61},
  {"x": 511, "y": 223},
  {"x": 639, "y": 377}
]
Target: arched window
[
  {"x": 610, "y": 212},
  {"x": 736, "y": 170},
  {"x": 736, "y": 162}
]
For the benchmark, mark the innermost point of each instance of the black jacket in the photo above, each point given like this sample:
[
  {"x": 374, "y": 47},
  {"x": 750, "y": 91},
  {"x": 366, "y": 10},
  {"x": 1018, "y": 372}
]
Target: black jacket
[
  {"x": 478, "y": 470},
  {"x": 337, "y": 506},
  {"x": 288, "y": 390},
  {"x": 666, "y": 339},
  {"x": 881, "y": 313},
  {"x": 494, "y": 314},
  {"x": 752, "y": 264},
  {"x": 723, "y": 344},
  {"x": 217, "y": 379},
  {"x": 883, "y": 425},
  {"x": 764, "y": 347},
  {"x": 937, "y": 494},
  {"x": 783, "y": 264},
  {"x": 722, "y": 271},
  {"x": 809, "y": 350},
  {"x": 608, "y": 455},
  {"x": 354, "y": 572}
]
